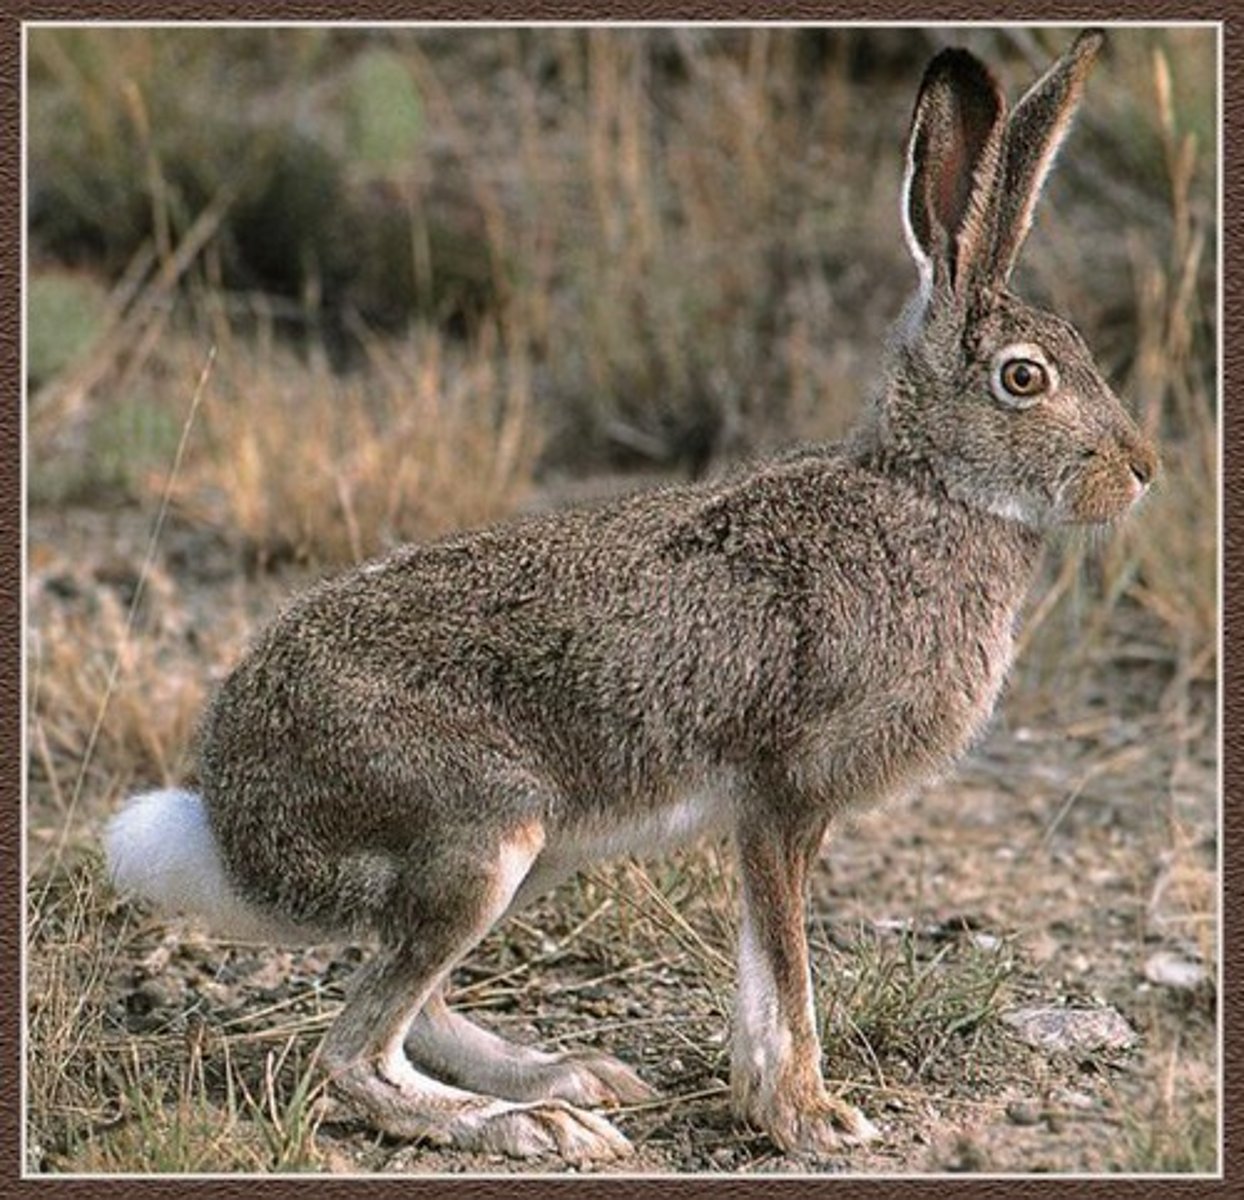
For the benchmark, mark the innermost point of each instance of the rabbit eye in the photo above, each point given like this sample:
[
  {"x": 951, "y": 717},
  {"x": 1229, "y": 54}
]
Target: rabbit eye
[
  {"x": 1024, "y": 377},
  {"x": 1021, "y": 376}
]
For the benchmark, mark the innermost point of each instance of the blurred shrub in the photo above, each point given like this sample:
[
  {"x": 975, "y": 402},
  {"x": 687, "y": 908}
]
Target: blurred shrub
[
  {"x": 384, "y": 115},
  {"x": 133, "y": 132},
  {"x": 65, "y": 312}
]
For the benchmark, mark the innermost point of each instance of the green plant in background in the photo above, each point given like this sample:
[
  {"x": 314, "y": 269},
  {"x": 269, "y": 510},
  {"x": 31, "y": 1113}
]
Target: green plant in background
[
  {"x": 383, "y": 112},
  {"x": 65, "y": 312}
]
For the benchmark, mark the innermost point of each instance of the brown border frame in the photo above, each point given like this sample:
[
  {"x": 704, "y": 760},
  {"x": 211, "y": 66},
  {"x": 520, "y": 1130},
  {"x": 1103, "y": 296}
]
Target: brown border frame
[{"x": 13, "y": 15}]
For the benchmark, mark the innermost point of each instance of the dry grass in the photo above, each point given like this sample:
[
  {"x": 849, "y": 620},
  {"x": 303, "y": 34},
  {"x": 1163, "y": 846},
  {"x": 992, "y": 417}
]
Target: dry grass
[
  {"x": 896, "y": 1007},
  {"x": 1158, "y": 573},
  {"x": 423, "y": 441},
  {"x": 100, "y": 1102}
]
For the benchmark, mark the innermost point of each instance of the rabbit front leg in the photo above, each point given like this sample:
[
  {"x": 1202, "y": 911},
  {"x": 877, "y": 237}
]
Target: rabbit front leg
[{"x": 775, "y": 1076}]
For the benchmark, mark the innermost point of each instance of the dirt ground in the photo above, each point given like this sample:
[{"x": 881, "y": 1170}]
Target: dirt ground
[{"x": 1070, "y": 862}]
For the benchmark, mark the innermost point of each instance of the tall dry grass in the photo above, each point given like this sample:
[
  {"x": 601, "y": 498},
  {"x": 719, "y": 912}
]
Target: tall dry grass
[
  {"x": 689, "y": 249},
  {"x": 295, "y": 460},
  {"x": 1155, "y": 580}
]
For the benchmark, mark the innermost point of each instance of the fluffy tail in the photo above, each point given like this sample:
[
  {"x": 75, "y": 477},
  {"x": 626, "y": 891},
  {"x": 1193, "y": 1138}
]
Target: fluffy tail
[{"x": 160, "y": 847}]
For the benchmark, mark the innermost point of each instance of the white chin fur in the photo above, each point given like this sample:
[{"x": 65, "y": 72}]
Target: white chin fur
[
  {"x": 160, "y": 847},
  {"x": 1026, "y": 512}
]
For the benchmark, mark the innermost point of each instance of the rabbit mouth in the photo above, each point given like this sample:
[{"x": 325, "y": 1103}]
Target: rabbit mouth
[{"x": 1106, "y": 492}]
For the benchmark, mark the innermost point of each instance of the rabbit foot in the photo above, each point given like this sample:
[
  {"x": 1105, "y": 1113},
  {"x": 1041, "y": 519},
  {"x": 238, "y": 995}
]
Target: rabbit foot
[
  {"x": 818, "y": 1127},
  {"x": 595, "y": 1080},
  {"x": 411, "y": 1107},
  {"x": 531, "y": 1130}
]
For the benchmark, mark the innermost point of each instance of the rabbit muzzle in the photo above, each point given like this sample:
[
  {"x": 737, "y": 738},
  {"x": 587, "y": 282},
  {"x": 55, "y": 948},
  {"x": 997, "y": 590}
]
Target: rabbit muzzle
[{"x": 1114, "y": 474}]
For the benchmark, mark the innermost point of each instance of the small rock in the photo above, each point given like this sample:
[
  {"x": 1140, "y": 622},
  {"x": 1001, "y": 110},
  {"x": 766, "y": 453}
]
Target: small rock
[
  {"x": 270, "y": 974},
  {"x": 150, "y": 995},
  {"x": 156, "y": 962},
  {"x": 1071, "y": 1029},
  {"x": 965, "y": 1156},
  {"x": 219, "y": 995},
  {"x": 1168, "y": 969},
  {"x": 1070, "y": 1099},
  {"x": 337, "y": 1163},
  {"x": 1023, "y": 1112}
]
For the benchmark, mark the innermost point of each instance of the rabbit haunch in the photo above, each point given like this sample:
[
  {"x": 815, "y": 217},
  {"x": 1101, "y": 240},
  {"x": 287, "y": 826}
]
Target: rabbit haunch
[{"x": 423, "y": 744}]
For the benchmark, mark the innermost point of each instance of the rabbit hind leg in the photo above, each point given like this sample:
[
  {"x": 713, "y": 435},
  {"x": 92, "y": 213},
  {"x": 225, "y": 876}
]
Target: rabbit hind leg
[{"x": 365, "y": 1049}]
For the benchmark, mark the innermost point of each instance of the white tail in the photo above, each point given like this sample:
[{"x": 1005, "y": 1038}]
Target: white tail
[{"x": 160, "y": 847}]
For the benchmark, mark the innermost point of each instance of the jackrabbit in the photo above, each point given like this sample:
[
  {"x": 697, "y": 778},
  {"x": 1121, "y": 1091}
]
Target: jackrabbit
[{"x": 420, "y": 746}]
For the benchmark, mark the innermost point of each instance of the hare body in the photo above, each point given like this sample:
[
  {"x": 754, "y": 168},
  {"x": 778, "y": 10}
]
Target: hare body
[
  {"x": 421, "y": 745},
  {"x": 614, "y": 678}
]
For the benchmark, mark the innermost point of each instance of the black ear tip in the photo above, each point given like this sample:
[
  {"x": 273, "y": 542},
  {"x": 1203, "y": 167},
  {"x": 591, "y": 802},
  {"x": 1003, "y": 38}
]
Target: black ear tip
[
  {"x": 961, "y": 75},
  {"x": 952, "y": 56},
  {"x": 958, "y": 66}
]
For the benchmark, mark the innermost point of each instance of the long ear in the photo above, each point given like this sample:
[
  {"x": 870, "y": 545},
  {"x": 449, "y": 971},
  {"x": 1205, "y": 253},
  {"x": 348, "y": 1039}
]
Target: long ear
[
  {"x": 954, "y": 154},
  {"x": 1034, "y": 133}
]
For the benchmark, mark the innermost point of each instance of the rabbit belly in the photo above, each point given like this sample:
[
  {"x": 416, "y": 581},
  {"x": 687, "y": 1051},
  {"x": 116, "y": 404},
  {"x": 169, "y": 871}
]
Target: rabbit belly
[{"x": 698, "y": 812}]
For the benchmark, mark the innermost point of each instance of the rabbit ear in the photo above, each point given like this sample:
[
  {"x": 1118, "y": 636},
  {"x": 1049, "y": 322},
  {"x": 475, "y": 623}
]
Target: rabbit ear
[
  {"x": 953, "y": 160},
  {"x": 1033, "y": 135}
]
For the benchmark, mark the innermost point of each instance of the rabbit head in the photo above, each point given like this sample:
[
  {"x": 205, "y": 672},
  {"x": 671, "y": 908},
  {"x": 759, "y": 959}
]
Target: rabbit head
[{"x": 999, "y": 401}]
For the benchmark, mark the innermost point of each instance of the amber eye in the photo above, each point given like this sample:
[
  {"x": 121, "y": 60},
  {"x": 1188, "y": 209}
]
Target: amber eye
[
  {"x": 1022, "y": 375},
  {"x": 1024, "y": 378}
]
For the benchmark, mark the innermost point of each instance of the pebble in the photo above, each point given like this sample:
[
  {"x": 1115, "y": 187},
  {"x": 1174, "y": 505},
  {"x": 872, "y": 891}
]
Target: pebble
[
  {"x": 1042, "y": 947},
  {"x": 1070, "y": 1099},
  {"x": 1071, "y": 1029},
  {"x": 1168, "y": 969},
  {"x": 1023, "y": 1112},
  {"x": 148, "y": 996}
]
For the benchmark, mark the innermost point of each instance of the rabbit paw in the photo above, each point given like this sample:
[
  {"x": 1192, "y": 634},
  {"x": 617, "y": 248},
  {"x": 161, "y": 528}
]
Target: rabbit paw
[
  {"x": 546, "y": 1127},
  {"x": 408, "y": 1105},
  {"x": 596, "y": 1080},
  {"x": 816, "y": 1127}
]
